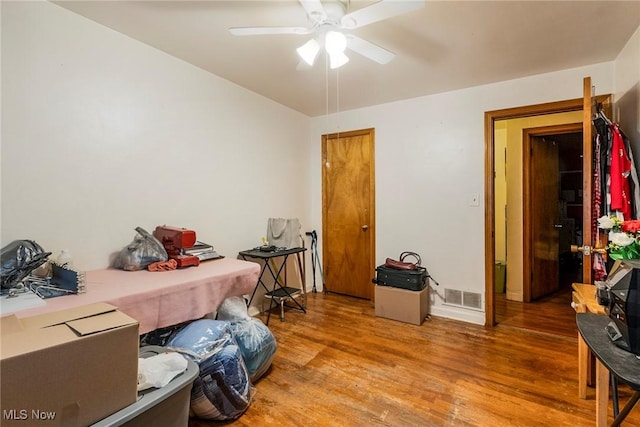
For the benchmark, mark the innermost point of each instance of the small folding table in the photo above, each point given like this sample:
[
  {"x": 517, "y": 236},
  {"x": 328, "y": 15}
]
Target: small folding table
[{"x": 280, "y": 292}]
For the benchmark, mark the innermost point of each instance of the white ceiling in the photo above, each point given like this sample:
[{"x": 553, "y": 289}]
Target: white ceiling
[{"x": 447, "y": 45}]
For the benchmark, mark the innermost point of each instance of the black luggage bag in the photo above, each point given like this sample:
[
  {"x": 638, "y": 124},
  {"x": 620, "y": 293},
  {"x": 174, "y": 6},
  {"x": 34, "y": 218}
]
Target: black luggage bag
[{"x": 413, "y": 280}]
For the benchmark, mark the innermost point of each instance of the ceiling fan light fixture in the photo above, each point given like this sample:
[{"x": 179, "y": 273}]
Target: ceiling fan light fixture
[
  {"x": 337, "y": 60},
  {"x": 309, "y": 51},
  {"x": 349, "y": 22},
  {"x": 328, "y": 18},
  {"x": 335, "y": 42}
]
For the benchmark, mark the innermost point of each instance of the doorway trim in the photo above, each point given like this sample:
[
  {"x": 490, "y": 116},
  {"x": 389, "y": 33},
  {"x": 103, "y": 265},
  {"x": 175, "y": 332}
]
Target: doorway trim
[
  {"x": 527, "y": 135},
  {"x": 490, "y": 117}
]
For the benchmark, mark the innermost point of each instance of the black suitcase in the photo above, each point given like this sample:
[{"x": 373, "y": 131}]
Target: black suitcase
[{"x": 413, "y": 280}]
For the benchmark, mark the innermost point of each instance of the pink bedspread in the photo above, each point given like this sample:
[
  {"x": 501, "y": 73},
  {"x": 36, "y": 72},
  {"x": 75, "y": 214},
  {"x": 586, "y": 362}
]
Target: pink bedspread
[{"x": 161, "y": 299}]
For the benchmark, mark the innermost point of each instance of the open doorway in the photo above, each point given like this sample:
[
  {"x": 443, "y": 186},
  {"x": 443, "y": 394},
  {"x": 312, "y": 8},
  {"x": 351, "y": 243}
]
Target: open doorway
[
  {"x": 538, "y": 216},
  {"x": 553, "y": 208},
  {"x": 585, "y": 106},
  {"x": 552, "y": 225},
  {"x": 570, "y": 207}
]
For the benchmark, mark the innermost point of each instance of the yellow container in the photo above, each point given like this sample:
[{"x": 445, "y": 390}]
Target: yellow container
[{"x": 500, "y": 277}]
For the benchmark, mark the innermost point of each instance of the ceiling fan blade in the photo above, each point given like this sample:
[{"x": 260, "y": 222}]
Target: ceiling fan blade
[
  {"x": 369, "y": 50},
  {"x": 378, "y": 11},
  {"x": 314, "y": 9},
  {"x": 253, "y": 31}
]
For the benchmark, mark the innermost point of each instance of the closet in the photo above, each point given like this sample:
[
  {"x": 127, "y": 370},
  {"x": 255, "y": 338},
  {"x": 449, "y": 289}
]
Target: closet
[{"x": 570, "y": 204}]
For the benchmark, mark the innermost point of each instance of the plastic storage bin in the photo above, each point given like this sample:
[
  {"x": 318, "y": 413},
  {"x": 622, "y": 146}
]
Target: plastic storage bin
[
  {"x": 161, "y": 407},
  {"x": 500, "y": 277}
]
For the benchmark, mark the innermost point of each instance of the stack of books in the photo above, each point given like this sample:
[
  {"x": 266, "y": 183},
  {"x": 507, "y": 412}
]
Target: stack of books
[{"x": 202, "y": 250}]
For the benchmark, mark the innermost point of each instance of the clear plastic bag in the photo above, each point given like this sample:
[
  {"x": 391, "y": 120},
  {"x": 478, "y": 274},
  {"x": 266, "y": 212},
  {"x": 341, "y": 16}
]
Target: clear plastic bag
[
  {"x": 255, "y": 339},
  {"x": 223, "y": 389},
  {"x": 233, "y": 308},
  {"x": 257, "y": 345},
  {"x": 141, "y": 252},
  {"x": 202, "y": 339}
]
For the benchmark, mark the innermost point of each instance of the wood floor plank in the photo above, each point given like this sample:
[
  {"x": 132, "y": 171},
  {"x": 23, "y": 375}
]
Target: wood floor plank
[{"x": 339, "y": 365}]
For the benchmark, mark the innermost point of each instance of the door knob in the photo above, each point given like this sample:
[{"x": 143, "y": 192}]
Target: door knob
[
  {"x": 587, "y": 250},
  {"x": 557, "y": 225},
  {"x": 365, "y": 227}
]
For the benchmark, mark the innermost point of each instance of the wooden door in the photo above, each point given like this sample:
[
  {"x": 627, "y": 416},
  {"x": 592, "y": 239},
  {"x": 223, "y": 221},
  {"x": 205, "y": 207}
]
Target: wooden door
[
  {"x": 590, "y": 236},
  {"x": 541, "y": 188},
  {"x": 545, "y": 234},
  {"x": 348, "y": 212},
  {"x": 587, "y": 179}
]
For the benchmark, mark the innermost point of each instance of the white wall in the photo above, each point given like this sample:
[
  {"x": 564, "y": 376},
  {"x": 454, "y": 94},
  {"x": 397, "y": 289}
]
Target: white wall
[
  {"x": 627, "y": 91},
  {"x": 101, "y": 133},
  {"x": 429, "y": 163}
]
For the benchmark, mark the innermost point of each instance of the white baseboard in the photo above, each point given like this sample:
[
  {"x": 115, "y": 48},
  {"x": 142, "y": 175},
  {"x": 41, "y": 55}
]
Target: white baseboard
[{"x": 464, "y": 315}]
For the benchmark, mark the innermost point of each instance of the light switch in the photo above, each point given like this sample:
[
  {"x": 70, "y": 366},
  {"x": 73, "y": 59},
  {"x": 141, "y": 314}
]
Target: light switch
[{"x": 474, "y": 200}]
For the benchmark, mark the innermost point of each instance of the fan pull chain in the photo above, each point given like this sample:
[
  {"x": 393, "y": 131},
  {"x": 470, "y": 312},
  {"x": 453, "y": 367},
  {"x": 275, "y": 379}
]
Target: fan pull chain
[{"x": 326, "y": 86}]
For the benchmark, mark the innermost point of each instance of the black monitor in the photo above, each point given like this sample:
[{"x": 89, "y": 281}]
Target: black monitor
[{"x": 624, "y": 306}]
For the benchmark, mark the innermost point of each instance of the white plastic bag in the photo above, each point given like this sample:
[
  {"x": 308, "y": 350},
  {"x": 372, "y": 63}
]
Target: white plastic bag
[
  {"x": 233, "y": 308},
  {"x": 158, "y": 371}
]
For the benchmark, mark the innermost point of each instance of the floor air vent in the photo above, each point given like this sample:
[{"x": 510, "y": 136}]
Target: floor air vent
[{"x": 464, "y": 299}]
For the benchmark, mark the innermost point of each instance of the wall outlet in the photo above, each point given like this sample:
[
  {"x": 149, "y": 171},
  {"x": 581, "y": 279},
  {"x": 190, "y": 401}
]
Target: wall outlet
[{"x": 474, "y": 200}]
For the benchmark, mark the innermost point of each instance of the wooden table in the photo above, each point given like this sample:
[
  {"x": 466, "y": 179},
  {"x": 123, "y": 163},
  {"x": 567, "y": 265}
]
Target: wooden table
[
  {"x": 584, "y": 301},
  {"x": 610, "y": 360}
]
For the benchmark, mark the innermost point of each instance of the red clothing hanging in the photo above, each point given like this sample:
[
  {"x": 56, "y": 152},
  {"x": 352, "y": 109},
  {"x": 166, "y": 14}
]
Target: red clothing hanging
[{"x": 620, "y": 170}]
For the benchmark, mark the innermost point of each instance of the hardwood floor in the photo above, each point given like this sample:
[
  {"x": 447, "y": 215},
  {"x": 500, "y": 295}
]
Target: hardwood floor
[
  {"x": 551, "y": 314},
  {"x": 339, "y": 365}
]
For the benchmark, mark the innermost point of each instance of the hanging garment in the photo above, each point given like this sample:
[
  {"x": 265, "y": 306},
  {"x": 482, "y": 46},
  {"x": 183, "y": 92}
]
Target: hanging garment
[
  {"x": 284, "y": 233},
  {"x": 602, "y": 130},
  {"x": 596, "y": 207},
  {"x": 599, "y": 267},
  {"x": 620, "y": 171},
  {"x": 634, "y": 183}
]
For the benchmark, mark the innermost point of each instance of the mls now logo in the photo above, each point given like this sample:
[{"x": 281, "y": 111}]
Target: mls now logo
[{"x": 23, "y": 414}]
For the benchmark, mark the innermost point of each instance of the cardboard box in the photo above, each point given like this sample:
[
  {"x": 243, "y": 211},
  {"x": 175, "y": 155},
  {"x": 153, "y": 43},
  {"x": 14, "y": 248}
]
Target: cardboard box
[
  {"x": 71, "y": 367},
  {"x": 402, "y": 304}
]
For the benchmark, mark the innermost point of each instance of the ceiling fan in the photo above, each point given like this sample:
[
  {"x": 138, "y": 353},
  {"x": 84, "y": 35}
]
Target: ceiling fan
[{"x": 330, "y": 26}]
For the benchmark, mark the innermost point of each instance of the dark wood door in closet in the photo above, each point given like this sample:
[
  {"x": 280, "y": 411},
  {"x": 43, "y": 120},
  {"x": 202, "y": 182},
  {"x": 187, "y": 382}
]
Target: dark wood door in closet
[{"x": 545, "y": 225}]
